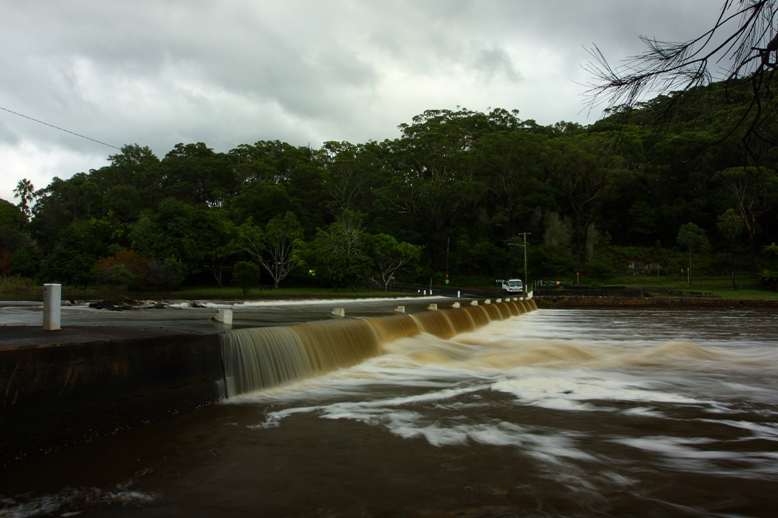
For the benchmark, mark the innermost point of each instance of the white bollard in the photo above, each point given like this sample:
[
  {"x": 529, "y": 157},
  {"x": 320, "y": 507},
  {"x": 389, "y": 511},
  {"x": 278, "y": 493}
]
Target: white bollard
[
  {"x": 425, "y": 292},
  {"x": 338, "y": 312},
  {"x": 459, "y": 294},
  {"x": 432, "y": 307},
  {"x": 399, "y": 309},
  {"x": 474, "y": 303},
  {"x": 456, "y": 305},
  {"x": 224, "y": 316},
  {"x": 52, "y": 306}
]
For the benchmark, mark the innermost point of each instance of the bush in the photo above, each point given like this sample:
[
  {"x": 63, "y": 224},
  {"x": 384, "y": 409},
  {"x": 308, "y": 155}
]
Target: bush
[
  {"x": 245, "y": 274},
  {"x": 16, "y": 284},
  {"x": 127, "y": 268},
  {"x": 769, "y": 279}
]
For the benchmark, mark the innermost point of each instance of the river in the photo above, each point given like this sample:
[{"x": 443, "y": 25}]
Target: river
[{"x": 551, "y": 413}]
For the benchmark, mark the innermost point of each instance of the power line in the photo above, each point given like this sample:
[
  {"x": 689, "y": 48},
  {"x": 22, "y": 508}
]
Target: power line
[{"x": 57, "y": 127}]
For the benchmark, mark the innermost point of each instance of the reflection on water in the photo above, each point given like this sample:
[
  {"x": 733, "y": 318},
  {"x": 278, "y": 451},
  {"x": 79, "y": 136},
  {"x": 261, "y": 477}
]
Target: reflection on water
[{"x": 552, "y": 413}]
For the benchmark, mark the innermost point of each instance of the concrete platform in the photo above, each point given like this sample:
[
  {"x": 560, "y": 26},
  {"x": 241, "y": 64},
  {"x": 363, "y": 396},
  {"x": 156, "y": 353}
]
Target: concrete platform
[{"x": 63, "y": 387}]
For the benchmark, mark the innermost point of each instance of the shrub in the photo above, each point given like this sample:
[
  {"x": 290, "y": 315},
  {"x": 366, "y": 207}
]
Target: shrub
[{"x": 245, "y": 274}]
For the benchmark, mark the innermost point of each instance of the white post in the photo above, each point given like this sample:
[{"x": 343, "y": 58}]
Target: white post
[
  {"x": 52, "y": 305},
  {"x": 459, "y": 294},
  {"x": 224, "y": 316}
]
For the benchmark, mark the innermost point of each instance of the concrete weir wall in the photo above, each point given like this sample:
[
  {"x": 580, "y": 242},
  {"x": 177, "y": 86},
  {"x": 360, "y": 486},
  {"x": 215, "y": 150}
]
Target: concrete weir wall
[
  {"x": 71, "y": 385},
  {"x": 56, "y": 394}
]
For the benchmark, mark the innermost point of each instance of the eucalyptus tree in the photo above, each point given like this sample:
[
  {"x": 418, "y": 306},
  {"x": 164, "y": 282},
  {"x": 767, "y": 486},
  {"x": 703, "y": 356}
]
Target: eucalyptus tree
[
  {"x": 195, "y": 174},
  {"x": 180, "y": 233},
  {"x": 432, "y": 178},
  {"x": 354, "y": 171},
  {"x": 692, "y": 237},
  {"x": 755, "y": 191},
  {"x": 339, "y": 253},
  {"x": 130, "y": 167},
  {"x": 388, "y": 256},
  {"x": 275, "y": 247},
  {"x": 509, "y": 163},
  {"x": 588, "y": 173},
  {"x": 730, "y": 226}
]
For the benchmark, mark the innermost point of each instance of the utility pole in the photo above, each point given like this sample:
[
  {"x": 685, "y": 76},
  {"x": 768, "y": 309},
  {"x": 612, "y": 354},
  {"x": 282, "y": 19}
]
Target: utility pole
[
  {"x": 447, "y": 243},
  {"x": 526, "y": 280}
]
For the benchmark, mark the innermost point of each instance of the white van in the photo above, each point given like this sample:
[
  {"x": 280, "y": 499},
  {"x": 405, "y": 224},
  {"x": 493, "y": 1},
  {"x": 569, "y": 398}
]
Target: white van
[{"x": 513, "y": 286}]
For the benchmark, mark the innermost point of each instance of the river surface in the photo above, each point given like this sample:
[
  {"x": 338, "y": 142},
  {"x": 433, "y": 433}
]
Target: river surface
[{"x": 552, "y": 413}]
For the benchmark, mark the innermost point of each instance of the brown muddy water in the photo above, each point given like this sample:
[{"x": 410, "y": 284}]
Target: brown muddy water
[{"x": 551, "y": 413}]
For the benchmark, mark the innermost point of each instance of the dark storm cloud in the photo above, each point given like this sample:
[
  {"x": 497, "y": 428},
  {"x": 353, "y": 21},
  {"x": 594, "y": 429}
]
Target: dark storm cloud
[{"x": 228, "y": 72}]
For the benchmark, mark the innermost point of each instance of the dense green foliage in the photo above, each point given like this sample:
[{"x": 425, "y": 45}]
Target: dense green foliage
[{"x": 450, "y": 195}]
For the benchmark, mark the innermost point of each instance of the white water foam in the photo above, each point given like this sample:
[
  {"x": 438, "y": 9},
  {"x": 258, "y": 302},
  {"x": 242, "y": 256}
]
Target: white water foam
[{"x": 455, "y": 383}]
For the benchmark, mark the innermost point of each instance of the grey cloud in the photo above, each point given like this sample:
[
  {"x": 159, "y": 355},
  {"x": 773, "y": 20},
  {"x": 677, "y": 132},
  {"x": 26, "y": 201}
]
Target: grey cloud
[
  {"x": 225, "y": 72},
  {"x": 495, "y": 61}
]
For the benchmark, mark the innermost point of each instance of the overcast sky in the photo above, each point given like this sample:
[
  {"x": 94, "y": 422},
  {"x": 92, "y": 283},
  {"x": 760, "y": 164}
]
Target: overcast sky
[{"x": 227, "y": 72}]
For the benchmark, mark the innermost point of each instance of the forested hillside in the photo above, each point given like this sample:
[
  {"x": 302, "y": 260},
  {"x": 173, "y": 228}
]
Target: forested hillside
[{"x": 451, "y": 195}]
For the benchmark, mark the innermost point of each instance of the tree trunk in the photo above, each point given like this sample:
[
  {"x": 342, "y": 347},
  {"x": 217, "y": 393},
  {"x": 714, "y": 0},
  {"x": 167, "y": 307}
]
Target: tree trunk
[{"x": 690, "y": 266}]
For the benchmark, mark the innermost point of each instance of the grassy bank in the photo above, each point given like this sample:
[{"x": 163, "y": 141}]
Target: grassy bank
[
  {"x": 748, "y": 288},
  {"x": 13, "y": 288}
]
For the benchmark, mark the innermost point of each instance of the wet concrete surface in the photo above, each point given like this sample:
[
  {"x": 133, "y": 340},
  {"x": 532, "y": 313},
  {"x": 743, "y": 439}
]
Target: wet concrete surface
[
  {"x": 197, "y": 316},
  {"x": 30, "y": 336}
]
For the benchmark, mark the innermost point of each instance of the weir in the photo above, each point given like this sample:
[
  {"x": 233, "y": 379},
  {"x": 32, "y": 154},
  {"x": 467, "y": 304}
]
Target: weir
[
  {"x": 260, "y": 358},
  {"x": 79, "y": 383}
]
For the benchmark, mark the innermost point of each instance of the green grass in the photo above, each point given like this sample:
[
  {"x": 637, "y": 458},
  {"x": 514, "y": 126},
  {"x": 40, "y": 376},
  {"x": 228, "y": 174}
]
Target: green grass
[
  {"x": 748, "y": 287},
  {"x": 659, "y": 286}
]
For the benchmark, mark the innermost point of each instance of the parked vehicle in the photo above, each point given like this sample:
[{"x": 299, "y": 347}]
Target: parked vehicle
[{"x": 512, "y": 285}]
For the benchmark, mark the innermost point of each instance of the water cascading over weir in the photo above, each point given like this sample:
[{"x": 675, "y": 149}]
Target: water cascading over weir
[{"x": 261, "y": 358}]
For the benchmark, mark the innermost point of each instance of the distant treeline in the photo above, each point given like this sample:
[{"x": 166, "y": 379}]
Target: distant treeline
[{"x": 451, "y": 195}]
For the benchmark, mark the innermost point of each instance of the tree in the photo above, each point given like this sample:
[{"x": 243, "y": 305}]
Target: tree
[
  {"x": 589, "y": 172},
  {"x": 246, "y": 275},
  {"x": 692, "y": 237},
  {"x": 274, "y": 248},
  {"x": 26, "y": 194},
  {"x": 339, "y": 253},
  {"x": 130, "y": 168},
  {"x": 511, "y": 165},
  {"x": 743, "y": 37},
  {"x": 731, "y": 225},
  {"x": 388, "y": 256},
  {"x": 432, "y": 180},
  {"x": 178, "y": 232},
  {"x": 769, "y": 276},
  {"x": 26, "y": 261},
  {"x": 755, "y": 190}
]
